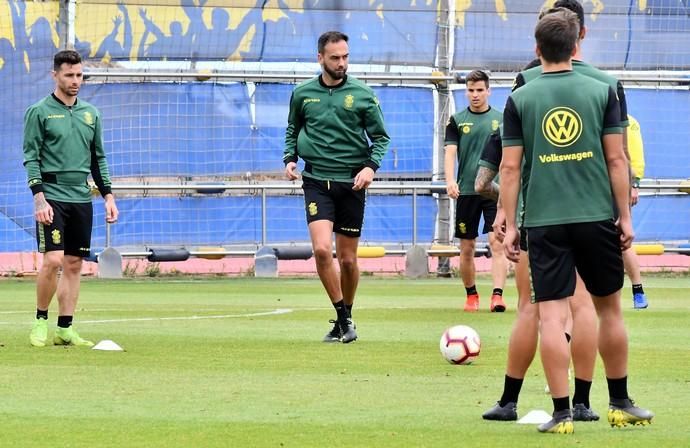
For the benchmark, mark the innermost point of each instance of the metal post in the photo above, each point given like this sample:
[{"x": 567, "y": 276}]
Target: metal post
[
  {"x": 414, "y": 216},
  {"x": 65, "y": 28},
  {"x": 444, "y": 61},
  {"x": 107, "y": 234},
  {"x": 263, "y": 217}
]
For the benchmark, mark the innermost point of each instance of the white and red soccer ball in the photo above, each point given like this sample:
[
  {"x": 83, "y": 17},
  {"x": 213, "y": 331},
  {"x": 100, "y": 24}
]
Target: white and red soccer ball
[{"x": 460, "y": 344}]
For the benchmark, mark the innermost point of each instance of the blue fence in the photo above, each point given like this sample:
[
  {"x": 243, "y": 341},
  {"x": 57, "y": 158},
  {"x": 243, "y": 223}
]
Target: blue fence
[
  {"x": 666, "y": 156},
  {"x": 209, "y": 220},
  {"x": 663, "y": 117},
  {"x": 621, "y": 33},
  {"x": 225, "y": 130},
  {"x": 195, "y": 129},
  {"x": 159, "y": 129}
]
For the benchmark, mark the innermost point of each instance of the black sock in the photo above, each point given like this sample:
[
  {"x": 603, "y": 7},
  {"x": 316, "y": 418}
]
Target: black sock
[
  {"x": 568, "y": 337},
  {"x": 618, "y": 388},
  {"x": 41, "y": 314},
  {"x": 497, "y": 292},
  {"x": 64, "y": 321},
  {"x": 511, "y": 390},
  {"x": 349, "y": 310},
  {"x": 581, "y": 394},
  {"x": 341, "y": 310},
  {"x": 561, "y": 404},
  {"x": 637, "y": 289},
  {"x": 471, "y": 290}
]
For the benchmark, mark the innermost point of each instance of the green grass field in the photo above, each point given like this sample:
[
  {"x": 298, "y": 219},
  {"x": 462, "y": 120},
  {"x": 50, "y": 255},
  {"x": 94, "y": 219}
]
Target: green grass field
[{"x": 209, "y": 363}]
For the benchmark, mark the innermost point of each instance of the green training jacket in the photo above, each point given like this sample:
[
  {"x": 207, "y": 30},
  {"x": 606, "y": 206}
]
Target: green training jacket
[
  {"x": 62, "y": 146},
  {"x": 331, "y": 128}
]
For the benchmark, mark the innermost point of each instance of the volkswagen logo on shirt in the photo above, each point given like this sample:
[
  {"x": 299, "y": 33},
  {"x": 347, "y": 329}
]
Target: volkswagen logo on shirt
[{"x": 561, "y": 126}]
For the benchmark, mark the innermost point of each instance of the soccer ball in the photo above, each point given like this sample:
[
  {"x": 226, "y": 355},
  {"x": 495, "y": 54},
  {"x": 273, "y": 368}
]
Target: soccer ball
[{"x": 460, "y": 344}]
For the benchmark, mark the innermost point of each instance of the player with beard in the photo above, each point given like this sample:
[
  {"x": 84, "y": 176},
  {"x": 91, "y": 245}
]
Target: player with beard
[
  {"x": 331, "y": 122},
  {"x": 63, "y": 144}
]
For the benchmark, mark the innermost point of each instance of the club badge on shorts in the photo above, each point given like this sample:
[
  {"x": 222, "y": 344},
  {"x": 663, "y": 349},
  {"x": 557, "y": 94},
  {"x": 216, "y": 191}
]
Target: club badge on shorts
[{"x": 312, "y": 209}]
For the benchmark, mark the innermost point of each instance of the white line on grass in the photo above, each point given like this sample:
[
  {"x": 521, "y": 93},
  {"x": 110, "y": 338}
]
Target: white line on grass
[
  {"x": 117, "y": 310},
  {"x": 154, "y": 319},
  {"x": 222, "y": 316}
]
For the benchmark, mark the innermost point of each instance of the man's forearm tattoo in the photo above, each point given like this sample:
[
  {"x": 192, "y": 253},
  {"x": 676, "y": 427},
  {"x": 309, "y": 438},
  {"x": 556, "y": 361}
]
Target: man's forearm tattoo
[{"x": 485, "y": 184}]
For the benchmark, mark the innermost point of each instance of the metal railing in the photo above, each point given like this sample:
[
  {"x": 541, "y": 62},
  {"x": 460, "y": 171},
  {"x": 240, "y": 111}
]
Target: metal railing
[
  {"x": 416, "y": 188},
  {"x": 431, "y": 77},
  {"x": 649, "y": 187}
]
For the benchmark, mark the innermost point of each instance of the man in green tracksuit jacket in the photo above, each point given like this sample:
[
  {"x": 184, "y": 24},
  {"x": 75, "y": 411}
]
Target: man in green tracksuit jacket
[
  {"x": 332, "y": 120},
  {"x": 62, "y": 146}
]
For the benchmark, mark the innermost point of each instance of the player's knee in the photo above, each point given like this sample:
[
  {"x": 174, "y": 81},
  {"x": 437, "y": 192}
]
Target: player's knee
[
  {"x": 467, "y": 248},
  {"x": 496, "y": 246},
  {"x": 528, "y": 310},
  {"x": 323, "y": 254},
  {"x": 52, "y": 261},
  {"x": 72, "y": 264},
  {"x": 553, "y": 318},
  {"x": 608, "y": 310},
  {"x": 582, "y": 308},
  {"x": 348, "y": 264}
]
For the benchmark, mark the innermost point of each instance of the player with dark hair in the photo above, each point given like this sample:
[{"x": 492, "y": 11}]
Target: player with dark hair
[
  {"x": 583, "y": 315},
  {"x": 62, "y": 146},
  {"x": 332, "y": 118},
  {"x": 567, "y": 126},
  {"x": 466, "y": 134},
  {"x": 523, "y": 340},
  {"x": 629, "y": 256}
]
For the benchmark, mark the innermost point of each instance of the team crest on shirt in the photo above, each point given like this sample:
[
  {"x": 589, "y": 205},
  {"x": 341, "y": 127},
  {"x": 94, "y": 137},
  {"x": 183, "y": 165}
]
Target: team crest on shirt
[
  {"x": 312, "y": 209},
  {"x": 349, "y": 101},
  {"x": 88, "y": 118},
  {"x": 55, "y": 235},
  {"x": 561, "y": 126},
  {"x": 466, "y": 129},
  {"x": 494, "y": 125}
]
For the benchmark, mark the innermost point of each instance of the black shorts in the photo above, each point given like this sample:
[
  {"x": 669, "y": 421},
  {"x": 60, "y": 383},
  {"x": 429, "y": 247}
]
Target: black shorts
[
  {"x": 468, "y": 210},
  {"x": 70, "y": 230},
  {"x": 556, "y": 251},
  {"x": 336, "y": 202},
  {"x": 523, "y": 240}
]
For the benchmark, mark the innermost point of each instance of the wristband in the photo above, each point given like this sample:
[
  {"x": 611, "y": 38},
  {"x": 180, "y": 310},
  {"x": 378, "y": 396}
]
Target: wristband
[{"x": 636, "y": 182}]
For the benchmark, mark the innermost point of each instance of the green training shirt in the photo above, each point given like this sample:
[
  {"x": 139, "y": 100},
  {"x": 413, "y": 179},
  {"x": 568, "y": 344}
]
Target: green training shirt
[
  {"x": 470, "y": 131},
  {"x": 62, "y": 145},
  {"x": 559, "y": 120},
  {"x": 588, "y": 70},
  {"x": 331, "y": 128}
]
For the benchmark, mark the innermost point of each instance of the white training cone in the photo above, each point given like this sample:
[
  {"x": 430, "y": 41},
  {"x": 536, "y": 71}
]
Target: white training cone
[
  {"x": 108, "y": 345},
  {"x": 534, "y": 417}
]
